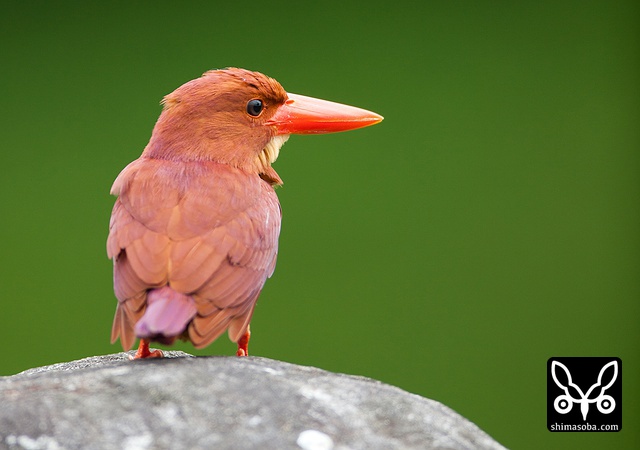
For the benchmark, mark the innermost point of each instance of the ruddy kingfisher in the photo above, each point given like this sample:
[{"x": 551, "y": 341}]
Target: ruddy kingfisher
[{"x": 194, "y": 231}]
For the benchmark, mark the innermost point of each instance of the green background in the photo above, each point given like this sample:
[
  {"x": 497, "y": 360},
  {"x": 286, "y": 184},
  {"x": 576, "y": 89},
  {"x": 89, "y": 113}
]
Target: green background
[{"x": 489, "y": 223}]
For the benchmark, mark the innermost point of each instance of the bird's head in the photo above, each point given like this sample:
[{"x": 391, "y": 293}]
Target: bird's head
[{"x": 242, "y": 118}]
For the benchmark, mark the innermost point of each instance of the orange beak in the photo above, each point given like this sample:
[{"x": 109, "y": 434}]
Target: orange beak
[{"x": 308, "y": 115}]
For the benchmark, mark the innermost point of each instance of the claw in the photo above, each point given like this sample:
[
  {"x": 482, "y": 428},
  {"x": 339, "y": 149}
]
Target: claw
[{"x": 145, "y": 352}]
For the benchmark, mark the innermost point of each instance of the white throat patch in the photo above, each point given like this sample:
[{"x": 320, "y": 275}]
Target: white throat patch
[{"x": 270, "y": 153}]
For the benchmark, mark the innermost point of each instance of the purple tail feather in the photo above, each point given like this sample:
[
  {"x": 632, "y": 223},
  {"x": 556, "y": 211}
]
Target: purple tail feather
[{"x": 167, "y": 315}]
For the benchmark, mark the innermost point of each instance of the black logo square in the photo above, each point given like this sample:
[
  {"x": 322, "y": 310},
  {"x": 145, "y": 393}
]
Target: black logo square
[{"x": 584, "y": 394}]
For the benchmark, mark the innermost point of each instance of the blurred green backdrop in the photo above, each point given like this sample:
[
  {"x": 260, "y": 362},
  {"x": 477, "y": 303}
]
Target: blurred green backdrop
[{"x": 489, "y": 223}]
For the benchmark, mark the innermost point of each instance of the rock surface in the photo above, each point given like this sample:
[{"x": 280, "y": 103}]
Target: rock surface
[{"x": 183, "y": 402}]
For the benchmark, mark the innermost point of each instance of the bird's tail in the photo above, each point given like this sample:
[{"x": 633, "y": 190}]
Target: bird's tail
[{"x": 167, "y": 315}]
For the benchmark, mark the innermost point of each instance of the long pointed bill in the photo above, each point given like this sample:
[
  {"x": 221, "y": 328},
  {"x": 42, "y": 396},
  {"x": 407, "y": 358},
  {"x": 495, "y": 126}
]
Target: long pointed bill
[{"x": 308, "y": 115}]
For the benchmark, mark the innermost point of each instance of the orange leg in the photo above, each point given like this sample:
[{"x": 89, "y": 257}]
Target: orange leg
[
  {"x": 243, "y": 344},
  {"x": 144, "y": 352}
]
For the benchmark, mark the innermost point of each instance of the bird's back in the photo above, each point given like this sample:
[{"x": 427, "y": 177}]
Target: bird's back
[{"x": 206, "y": 230}]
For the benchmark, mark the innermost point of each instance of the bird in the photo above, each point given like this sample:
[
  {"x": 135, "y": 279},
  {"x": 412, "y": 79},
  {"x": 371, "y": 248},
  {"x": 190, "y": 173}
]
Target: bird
[{"x": 194, "y": 229}]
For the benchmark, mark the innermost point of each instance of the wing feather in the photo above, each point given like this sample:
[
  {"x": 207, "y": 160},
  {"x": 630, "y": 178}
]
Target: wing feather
[
  {"x": 127, "y": 284},
  {"x": 194, "y": 260},
  {"x": 240, "y": 324},
  {"x": 127, "y": 314},
  {"x": 149, "y": 258},
  {"x": 205, "y": 229}
]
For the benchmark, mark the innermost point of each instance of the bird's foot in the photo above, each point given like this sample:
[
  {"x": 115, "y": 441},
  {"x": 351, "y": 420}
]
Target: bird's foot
[
  {"x": 145, "y": 352},
  {"x": 243, "y": 344}
]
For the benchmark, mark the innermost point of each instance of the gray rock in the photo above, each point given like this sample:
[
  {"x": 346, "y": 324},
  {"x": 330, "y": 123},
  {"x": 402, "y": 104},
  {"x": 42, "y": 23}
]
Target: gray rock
[{"x": 183, "y": 402}]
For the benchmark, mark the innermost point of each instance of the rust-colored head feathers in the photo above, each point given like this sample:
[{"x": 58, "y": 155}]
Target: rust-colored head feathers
[
  {"x": 194, "y": 231},
  {"x": 207, "y": 119}
]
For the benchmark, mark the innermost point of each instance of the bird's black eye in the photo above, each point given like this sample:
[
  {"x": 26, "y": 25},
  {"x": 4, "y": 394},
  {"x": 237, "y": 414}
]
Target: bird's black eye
[{"x": 254, "y": 107}]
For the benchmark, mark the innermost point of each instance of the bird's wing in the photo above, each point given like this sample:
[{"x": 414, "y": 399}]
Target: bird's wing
[{"x": 205, "y": 229}]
